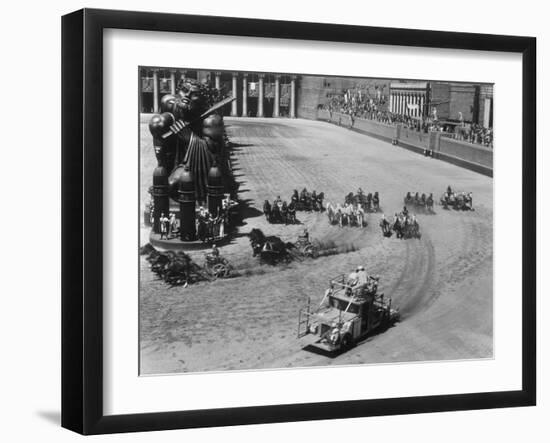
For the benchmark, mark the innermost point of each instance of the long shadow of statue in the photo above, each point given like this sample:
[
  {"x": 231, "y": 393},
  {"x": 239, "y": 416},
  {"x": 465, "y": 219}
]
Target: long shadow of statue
[{"x": 246, "y": 210}]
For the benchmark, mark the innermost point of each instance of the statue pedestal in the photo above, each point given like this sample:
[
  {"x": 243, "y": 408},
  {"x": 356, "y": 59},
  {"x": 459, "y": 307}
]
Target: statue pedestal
[{"x": 175, "y": 244}]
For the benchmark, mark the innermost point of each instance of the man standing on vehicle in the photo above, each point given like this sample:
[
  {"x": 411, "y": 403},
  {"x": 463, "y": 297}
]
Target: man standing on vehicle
[{"x": 362, "y": 277}]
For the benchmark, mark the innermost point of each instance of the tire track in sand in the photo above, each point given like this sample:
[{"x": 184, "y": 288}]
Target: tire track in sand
[{"x": 414, "y": 289}]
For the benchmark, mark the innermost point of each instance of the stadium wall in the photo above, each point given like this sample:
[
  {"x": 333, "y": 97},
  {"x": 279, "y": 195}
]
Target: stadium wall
[
  {"x": 311, "y": 94},
  {"x": 467, "y": 155}
]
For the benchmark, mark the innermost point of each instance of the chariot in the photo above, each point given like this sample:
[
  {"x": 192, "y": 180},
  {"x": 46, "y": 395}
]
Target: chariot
[
  {"x": 306, "y": 248},
  {"x": 458, "y": 200},
  {"x": 216, "y": 266}
]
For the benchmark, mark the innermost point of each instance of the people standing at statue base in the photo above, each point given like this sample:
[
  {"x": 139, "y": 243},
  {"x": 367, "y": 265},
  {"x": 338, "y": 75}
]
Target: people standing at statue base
[{"x": 164, "y": 226}]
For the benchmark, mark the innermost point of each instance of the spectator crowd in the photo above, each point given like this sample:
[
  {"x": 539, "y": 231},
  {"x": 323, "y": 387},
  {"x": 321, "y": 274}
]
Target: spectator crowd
[{"x": 360, "y": 103}]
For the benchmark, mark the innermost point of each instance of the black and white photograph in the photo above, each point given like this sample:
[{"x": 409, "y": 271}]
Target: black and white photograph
[
  {"x": 275, "y": 221},
  {"x": 290, "y": 220}
]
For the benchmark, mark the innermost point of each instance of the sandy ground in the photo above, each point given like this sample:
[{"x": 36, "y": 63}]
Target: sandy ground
[{"x": 441, "y": 283}]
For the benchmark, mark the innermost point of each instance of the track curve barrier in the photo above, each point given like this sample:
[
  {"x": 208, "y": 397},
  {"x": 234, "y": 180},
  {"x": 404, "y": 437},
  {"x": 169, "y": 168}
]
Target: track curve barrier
[{"x": 467, "y": 155}]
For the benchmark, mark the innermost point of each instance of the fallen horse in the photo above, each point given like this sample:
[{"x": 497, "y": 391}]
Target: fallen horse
[{"x": 177, "y": 268}]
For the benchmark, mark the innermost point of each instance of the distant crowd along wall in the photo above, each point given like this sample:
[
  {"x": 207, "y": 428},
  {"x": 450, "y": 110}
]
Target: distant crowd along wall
[{"x": 470, "y": 156}]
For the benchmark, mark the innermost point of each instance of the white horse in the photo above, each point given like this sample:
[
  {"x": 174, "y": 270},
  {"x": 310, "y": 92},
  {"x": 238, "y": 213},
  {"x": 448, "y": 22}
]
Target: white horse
[
  {"x": 330, "y": 212},
  {"x": 360, "y": 215}
]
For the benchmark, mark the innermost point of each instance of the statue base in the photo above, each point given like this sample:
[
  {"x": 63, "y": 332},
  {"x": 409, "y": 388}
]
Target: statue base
[{"x": 175, "y": 244}]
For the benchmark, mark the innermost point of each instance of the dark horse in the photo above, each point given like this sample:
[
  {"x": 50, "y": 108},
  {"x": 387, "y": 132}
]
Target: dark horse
[
  {"x": 376, "y": 202},
  {"x": 291, "y": 213},
  {"x": 175, "y": 268},
  {"x": 430, "y": 203},
  {"x": 271, "y": 249},
  {"x": 267, "y": 210},
  {"x": 318, "y": 202}
]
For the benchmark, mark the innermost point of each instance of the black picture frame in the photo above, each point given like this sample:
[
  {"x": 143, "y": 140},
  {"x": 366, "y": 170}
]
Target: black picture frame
[{"x": 82, "y": 220}]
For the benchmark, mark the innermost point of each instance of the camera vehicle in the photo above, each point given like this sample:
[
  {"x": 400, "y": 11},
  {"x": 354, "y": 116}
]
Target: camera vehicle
[{"x": 345, "y": 315}]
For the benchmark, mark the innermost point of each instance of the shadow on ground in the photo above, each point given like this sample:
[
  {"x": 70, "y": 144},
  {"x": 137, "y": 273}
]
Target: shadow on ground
[{"x": 53, "y": 417}]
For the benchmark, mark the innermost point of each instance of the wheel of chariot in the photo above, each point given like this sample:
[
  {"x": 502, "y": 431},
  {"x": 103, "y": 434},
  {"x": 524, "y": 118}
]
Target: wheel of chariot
[
  {"x": 220, "y": 270},
  {"x": 311, "y": 251}
]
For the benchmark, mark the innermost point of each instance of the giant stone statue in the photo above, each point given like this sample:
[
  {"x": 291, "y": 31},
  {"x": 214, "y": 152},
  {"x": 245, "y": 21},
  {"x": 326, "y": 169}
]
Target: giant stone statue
[{"x": 189, "y": 144}]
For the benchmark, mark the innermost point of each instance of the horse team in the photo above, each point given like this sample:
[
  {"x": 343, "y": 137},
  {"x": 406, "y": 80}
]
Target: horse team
[
  {"x": 353, "y": 211},
  {"x": 404, "y": 225},
  {"x": 355, "y": 207},
  {"x": 420, "y": 202},
  {"x": 282, "y": 212},
  {"x": 272, "y": 249},
  {"x": 279, "y": 211},
  {"x": 460, "y": 201},
  {"x": 369, "y": 202}
]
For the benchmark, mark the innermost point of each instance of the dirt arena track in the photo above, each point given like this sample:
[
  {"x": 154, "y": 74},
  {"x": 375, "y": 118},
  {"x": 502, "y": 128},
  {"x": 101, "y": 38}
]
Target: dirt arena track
[{"x": 441, "y": 283}]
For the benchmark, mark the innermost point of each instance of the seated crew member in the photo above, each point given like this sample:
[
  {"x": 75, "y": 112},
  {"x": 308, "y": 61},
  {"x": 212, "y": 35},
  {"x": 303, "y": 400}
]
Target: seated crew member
[
  {"x": 352, "y": 279},
  {"x": 372, "y": 284},
  {"x": 351, "y": 283}
]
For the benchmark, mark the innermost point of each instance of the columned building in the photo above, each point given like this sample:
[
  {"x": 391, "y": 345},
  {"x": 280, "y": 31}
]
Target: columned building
[
  {"x": 486, "y": 106},
  {"x": 258, "y": 94},
  {"x": 410, "y": 98},
  {"x": 450, "y": 101}
]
